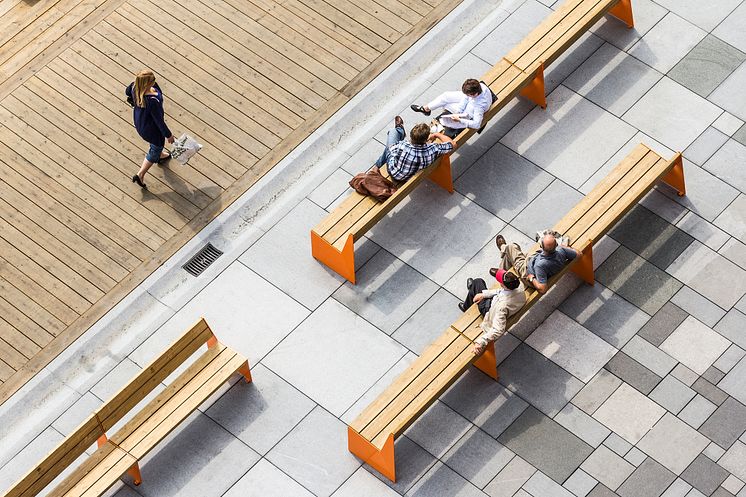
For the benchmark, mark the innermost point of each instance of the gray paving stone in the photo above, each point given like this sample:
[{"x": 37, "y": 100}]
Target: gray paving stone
[
  {"x": 740, "y": 135},
  {"x": 572, "y": 347},
  {"x": 650, "y": 479},
  {"x": 428, "y": 321},
  {"x": 704, "y": 15},
  {"x": 734, "y": 251},
  {"x": 612, "y": 79},
  {"x": 678, "y": 488},
  {"x": 580, "y": 483},
  {"x": 262, "y": 412},
  {"x": 673, "y": 443},
  {"x": 649, "y": 356},
  {"x": 604, "y": 313},
  {"x": 607, "y": 467},
  {"x": 412, "y": 463},
  {"x": 388, "y": 292},
  {"x": 706, "y": 194},
  {"x": 541, "y": 484},
  {"x": 265, "y": 480},
  {"x": 695, "y": 345},
  {"x": 684, "y": 374},
  {"x": 702, "y": 230},
  {"x": 321, "y": 348},
  {"x": 363, "y": 483},
  {"x": 538, "y": 380},
  {"x": 588, "y": 429},
  {"x": 638, "y": 281},
  {"x": 732, "y": 484},
  {"x": 672, "y": 394},
  {"x": 731, "y": 29},
  {"x": 662, "y": 324},
  {"x": 730, "y": 357},
  {"x": 619, "y": 445},
  {"x": 707, "y": 65},
  {"x": 503, "y": 182},
  {"x": 727, "y": 95},
  {"x": 596, "y": 391},
  {"x": 635, "y": 456},
  {"x": 570, "y": 60},
  {"x": 76, "y": 413},
  {"x": 734, "y": 460},
  {"x": 697, "y": 411},
  {"x": 698, "y": 306},
  {"x": 438, "y": 428},
  {"x": 601, "y": 491},
  {"x": 455, "y": 230},
  {"x": 633, "y": 372},
  {"x": 478, "y": 457},
  {"x": 629, "y": 413},
  {"x": 667, "y": 42},
  {"x": 548, "y": 208},
  {"x": 728, "y": 124},
  {"x": 484, "y": 402},
  {"x": 714, "y": 451},
  {"x": 726, "y": 424},
  {"x": 713, "y": 375},
  {"x": 510, "y": 479},
  {"x": 28, "y": 457},
  {"x": 545, "y": 444},
  {"x": 734, "y": 383},
  {"x": 315, "y": 453},
  {"x": 709, "y": 391},
  {"x": 721, "y": 492},
  {"x": 442, "y": 480},
  {"x": 721, "y": 164},
  {"x": 331, "y": 188},
  {"x": 560, "y": 141},
  {"x": 672, "y": 114},
  {"x": 647, "y": 14},
  {"x": 705, "y": 146},
  {"x": 197, "y": 446},
  {"x": 733, "y": 217}
]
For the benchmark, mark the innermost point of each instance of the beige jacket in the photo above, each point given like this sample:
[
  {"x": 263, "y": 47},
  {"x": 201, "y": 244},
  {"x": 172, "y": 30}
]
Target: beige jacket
[{"x": 504, "y": 303}]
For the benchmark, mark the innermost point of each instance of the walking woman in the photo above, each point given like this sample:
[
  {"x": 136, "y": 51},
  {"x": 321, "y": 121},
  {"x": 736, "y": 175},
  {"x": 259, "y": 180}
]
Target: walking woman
[{"x": 147, "y": 99}]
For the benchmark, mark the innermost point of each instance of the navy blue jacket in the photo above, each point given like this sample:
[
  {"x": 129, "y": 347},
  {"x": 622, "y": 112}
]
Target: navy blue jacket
[{"x": 149, "y": 119}]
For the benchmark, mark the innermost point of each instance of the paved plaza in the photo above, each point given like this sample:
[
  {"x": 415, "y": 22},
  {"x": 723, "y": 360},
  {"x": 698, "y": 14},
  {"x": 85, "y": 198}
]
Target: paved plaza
[{"x": 632, "y": 387}]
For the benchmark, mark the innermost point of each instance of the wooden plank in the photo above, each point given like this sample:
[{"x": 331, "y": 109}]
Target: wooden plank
[
  {"x": 34, "y": 334},
  {"x": 26, "y": 305},
  {"x": 342, "y": 228},
  {"x": 8, "y": 353},
  {"x": 5, "y": 371},
  {"x": 358, "y": 15},
  {"x": 360, "y": 31},
  {"x": 26, "y": 22},
  {"x": 97, "y": 474},
  {"x": 381, "y": 14}
]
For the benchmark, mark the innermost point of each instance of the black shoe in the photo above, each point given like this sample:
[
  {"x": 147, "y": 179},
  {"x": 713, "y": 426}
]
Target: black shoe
[
  {"x": 136, "y": 179},
  {"x": 469, "y": 282},
  {"x": 500, "y": 241},
  {"x": 462, "y": 306},
  {"x": 493, "y": 271},
  {"x": 164, "y": 159},
  {"x": 418, "y": 108}
]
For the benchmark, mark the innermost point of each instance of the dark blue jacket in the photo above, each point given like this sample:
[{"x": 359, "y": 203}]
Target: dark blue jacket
[{"x": 149, "y": 119}]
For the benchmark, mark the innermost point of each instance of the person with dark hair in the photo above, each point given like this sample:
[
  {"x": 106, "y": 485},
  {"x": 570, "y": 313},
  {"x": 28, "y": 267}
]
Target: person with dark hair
[
  {"x": 494, "y": 305},
  {"x": 462, "y": 109},
  {"x": 536, "y": 269},
  {"x": 403, "y": 159}
]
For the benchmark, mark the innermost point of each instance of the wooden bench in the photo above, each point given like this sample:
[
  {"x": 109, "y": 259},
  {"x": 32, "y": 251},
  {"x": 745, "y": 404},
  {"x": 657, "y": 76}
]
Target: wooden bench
[
  {"x": 521, "y": 71},
  {"x": 120, "y": 453},
  {"x": 371, "y": 435}
]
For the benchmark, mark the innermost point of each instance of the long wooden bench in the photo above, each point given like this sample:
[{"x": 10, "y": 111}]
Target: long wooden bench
[
  {"x": 520, "y": 72},
  {"x": 120, "y": 453},
  {"x": 371, "y": 435}
]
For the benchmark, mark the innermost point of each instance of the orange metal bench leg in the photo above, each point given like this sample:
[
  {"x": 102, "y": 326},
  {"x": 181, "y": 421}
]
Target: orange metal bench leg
[
  {"x": 442, "y": 176},
  {"x": 342, "y": 263},
  {"x": 534, "y": 91},
  {"x": 675, "y": 176},
  {"x": 245, "y": 371},
  {"x": 487, "y": 362},
  {"x": 583, "y": 267},
  {"x": 134, "y": 470},
  {"x": 623, "y": 12},
  {"x": 380, "y": 460}
]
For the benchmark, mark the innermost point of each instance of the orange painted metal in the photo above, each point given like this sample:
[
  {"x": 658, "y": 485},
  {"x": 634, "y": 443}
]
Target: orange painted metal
[
  {"x": 675, "y": 176},
  {"x": 381, "y": 460},
  {"x": 134, "y": 470},
  {"x": 342, "y": 263},
  {"x": 487, "y": 362},
  {"x": 623, "y": 12},
  {"x": 534, "y": 91},
  {"x": 245, "y": 371},
  {"x": 583, "y": 266},
  {"x": 442, "y": 176},
  {"x": 212, "y": 341}
]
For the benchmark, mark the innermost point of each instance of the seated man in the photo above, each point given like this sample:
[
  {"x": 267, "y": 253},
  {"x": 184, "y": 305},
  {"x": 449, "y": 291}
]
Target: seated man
[
  {"x": 494, "y": 305},
  {"x": 464, "y": 109},
  {"x": 403, "y": 158},
  {"x": 536, "y": 271}
]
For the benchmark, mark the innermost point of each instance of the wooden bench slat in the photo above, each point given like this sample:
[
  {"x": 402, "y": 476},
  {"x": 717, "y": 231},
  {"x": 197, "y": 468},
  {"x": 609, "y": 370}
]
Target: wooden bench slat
[
  {"x": 338, "y": 213},
  {"x": 97, "y": 473}
]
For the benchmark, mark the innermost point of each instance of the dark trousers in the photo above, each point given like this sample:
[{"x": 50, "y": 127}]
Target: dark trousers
[{"x": 477, "y": 286}]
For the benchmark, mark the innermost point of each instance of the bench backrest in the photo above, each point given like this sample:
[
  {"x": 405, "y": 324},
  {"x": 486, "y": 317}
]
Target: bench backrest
[{"x": 111, "y": 412}]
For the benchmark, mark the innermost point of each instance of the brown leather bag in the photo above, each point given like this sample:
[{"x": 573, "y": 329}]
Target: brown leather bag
[{"x": 374, "y": 184}]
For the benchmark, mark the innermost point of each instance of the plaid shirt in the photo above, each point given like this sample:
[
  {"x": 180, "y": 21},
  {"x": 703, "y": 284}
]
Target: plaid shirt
[{"x": 406, "y": 159}]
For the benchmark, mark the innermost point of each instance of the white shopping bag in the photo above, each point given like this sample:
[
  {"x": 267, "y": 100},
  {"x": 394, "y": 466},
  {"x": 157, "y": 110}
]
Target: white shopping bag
[{"x": 184, "y": 147}]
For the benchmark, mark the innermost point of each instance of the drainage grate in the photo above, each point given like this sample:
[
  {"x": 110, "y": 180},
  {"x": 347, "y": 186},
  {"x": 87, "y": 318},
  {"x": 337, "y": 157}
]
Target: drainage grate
[{"x": 202, "y": 260}]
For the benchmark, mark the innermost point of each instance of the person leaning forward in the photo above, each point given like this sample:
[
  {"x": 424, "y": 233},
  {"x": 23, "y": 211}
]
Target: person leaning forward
[
  {"x": 535, "y": 270},
  {"x": 495, "y": 305},
  {"x": 403, "y": 159}
]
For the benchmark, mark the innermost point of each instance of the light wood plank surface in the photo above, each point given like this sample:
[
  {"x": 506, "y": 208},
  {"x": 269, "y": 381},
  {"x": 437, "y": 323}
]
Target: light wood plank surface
[{"x": 249, "y": 79}]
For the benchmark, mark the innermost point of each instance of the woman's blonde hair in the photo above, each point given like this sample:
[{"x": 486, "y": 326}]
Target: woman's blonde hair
[{"x": 144, "y": 80}]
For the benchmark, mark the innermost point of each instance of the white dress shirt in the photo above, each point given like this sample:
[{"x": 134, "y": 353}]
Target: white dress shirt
[{"x": 472, "y": 107}]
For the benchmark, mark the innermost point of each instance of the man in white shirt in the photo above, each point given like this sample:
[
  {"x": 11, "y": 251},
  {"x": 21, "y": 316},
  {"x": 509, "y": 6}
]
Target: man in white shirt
[{"x": 462, "y": 109}]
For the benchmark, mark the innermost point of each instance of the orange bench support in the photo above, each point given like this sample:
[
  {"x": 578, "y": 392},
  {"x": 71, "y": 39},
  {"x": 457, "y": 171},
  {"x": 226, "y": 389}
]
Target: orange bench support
[
  {"x": 675, "y": 177},
  {"x": 381, "y": 460},
  {"x": 623, "y": 12}
]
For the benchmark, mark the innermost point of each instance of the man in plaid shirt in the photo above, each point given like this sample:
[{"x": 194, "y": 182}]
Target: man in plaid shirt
[{"x": 403, "y": 158}]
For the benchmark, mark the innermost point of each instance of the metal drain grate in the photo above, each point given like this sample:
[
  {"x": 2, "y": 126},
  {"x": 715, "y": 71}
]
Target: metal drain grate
[{"x": 202, "y": 260}]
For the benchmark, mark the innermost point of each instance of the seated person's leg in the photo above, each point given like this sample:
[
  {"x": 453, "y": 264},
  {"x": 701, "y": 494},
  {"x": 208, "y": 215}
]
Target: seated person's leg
[
  {"x": 394, "y": 136},
  {"x": 474, "y": 287},
  {"x": 513, "y": 257}
]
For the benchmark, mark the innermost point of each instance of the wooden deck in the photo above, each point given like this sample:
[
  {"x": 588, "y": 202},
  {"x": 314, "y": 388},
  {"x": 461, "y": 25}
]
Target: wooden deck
[{"x": 249, "y": 78}]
